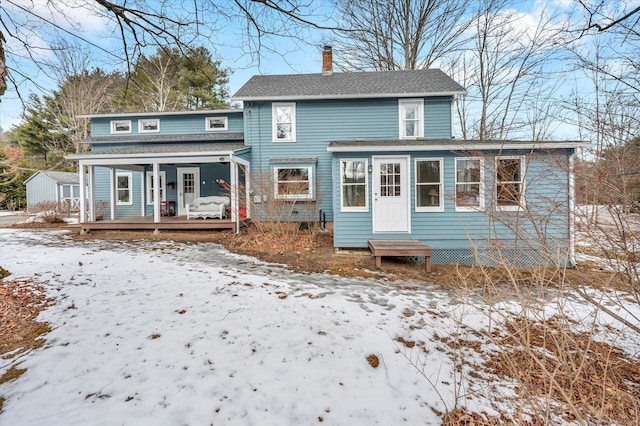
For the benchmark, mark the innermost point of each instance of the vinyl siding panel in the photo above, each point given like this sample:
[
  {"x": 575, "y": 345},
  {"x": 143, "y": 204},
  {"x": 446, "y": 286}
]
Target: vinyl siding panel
[
  {"x": 320, "y": 122},
  {"x": 103, "y": 195},
  {"x": 544, "y": 221},
  {"x": 169, "y": 124}
]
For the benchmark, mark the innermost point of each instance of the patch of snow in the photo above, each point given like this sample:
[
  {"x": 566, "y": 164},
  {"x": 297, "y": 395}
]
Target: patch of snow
[{"x": 165, "y": 333}]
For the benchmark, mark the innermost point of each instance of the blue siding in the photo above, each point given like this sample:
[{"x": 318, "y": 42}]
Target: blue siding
[
  {"x": 320, "y": 122},
  {"x": 169, "y": 124},
  {"x": 103, "y": 196},
  {"x": 545, "y": 221}
]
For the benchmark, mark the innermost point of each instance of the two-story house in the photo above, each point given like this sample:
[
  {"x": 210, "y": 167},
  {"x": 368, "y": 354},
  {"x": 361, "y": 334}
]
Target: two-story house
[{"x": 372, "y": 152}]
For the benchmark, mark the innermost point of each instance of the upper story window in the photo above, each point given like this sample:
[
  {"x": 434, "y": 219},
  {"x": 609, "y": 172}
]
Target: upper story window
[
  {"x": 149, "y": 125},
  {"x": 509, "y": 183},
  {"x": 124, "y": 188},
  {"x": 216, "y": 123},
  {"x": 120, "y": 126},
  {"x": 429, "y": 191},
  {"x": 293, "y": 183},
  {"x": 469, "y": 186},
  {"x": 284, "y": 122},
  {"x": 411, "y": 115},
  {"x": 353, "y": 181}
]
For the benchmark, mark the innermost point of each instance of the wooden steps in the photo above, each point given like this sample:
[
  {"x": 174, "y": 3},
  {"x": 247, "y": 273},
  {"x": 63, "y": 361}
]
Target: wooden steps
[{"x": 400, "y": 248}]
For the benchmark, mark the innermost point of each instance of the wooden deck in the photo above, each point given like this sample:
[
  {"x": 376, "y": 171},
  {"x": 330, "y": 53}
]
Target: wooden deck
[
  {"x": 166, "y": 223},
  {"x": 400, "y": 248}
]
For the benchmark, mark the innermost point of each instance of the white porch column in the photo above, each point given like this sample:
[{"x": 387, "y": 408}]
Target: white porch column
[
  {"x": 156, "y": 192},
  {"x": 91, "y": 177},
  {"x": 233, "y": 177},
  {"x": 143, "y": 193},
  {"x": 83, "y": 207},
  {"x": 114, "y": 192}
]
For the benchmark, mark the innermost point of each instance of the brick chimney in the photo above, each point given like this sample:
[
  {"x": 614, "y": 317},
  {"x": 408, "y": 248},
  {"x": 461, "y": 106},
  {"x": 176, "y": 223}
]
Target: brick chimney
[{"x": 327, "y": 61}]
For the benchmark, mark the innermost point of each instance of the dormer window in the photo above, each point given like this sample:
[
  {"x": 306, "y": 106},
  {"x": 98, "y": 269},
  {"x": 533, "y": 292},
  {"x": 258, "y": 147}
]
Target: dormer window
[
  {"x": 284, "y": 122},
  {"x": 149, "y": 125},
  {"x": 120, "y": 126},
  {"x": 411, "y": 115},
  {"x": 216, "y": 123}
]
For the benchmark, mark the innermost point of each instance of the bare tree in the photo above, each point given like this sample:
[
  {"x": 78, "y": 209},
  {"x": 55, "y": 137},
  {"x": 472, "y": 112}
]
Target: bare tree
[
  {"x": 407, "y": 34},
  {"x": 504, "y": 72},
  {"x": 80, "y": 91},
  {"x": 140, "y": 24}
]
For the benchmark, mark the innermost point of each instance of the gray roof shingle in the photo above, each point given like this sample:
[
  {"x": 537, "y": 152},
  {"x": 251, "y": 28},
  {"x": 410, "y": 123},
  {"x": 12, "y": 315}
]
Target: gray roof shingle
[
  {"x": 378, "y": 84},
  {"x": 62, "y": 177}
]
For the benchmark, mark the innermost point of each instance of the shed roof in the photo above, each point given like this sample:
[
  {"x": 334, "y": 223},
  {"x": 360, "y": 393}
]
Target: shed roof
[
  {"x": 377, "y": 84},
  {"x": 377, "y": 145},
  {"x": 62, "y": 178},
  {"x": 177, "y": 138},
  {"x": 150, "y": 151}
]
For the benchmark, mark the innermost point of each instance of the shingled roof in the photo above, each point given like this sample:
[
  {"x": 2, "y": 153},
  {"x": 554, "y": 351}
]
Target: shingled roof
[{"x": 378, "y": 84}]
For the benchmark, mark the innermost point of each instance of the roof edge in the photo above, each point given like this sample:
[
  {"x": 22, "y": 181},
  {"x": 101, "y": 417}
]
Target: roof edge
[
  {"x": 146, "y": 114},
  {"x": 350, "y": 96}
]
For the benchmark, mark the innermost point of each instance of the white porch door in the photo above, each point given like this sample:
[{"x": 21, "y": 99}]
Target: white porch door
[
  {"x": 391, "y": 211},
  {"x": 188, "y": 187}
]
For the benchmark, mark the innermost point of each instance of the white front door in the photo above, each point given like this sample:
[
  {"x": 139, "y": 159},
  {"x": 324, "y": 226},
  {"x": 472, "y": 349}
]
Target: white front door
[
  {"x": 391, "y": 194},
  {"x": 188, "y": 187}
]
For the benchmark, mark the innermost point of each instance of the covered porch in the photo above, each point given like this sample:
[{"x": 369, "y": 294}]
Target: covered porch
[{"x": 149, "y": 186}]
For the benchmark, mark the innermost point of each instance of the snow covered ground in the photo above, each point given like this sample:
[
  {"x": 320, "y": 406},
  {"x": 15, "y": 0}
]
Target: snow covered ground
[{"x": 166, "y": 333}]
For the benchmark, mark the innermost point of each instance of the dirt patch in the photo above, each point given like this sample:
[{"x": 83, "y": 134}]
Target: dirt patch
[
  {"x": 306, "y": 251},
  {"x": 20, "y": 303}
]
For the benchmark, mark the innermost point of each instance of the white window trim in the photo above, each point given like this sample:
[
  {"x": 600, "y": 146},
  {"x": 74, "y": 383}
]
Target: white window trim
[
  {"x": 480, "y": 207},
  {"x": 364, "y": 208},
  {"x": 401, "y": 128},
  {"x": 439, "y": 208},
  {"x": 522, "y": 202},
  {"x": 141, "y": 125},
  {"x": 214, "y": 129},
  {"x": 274, "y": 118},
  {"x": 113, "y": 126},
  {"x": 278, "y": 196},
  {"x": 163, "y": 182},
  {"x": 129, "y": 175}
]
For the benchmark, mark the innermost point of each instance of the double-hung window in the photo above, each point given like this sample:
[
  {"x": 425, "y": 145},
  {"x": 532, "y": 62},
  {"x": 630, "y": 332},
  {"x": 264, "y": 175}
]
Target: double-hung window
[
  {"x": 284, "y": 122},
  {"x": 411, "y": 115},
  {"x": 429, "y": 190},
  {"x": 509, "y": 183},
  {"x": 469, "y": 186},
  {"x": 293, "y": 183},
  {"x": 124, "y": 189},
  {"x": 353, "y": 181},
  {"x": 120, "y": 126},
  {"x": 150, "y": 191}
]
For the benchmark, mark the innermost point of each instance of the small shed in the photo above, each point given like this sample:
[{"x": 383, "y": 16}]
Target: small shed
[{"x": 48, "y": 186}]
